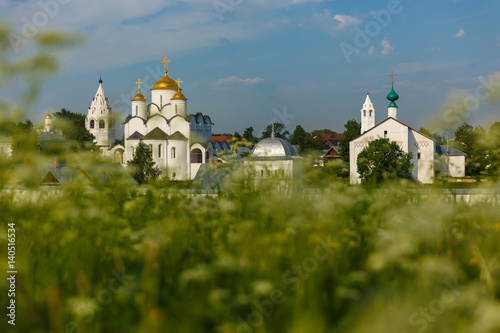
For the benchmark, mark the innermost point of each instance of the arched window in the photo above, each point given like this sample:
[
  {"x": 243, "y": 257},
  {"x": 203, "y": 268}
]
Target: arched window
[
  {"x": 102, "y": 124},
  {"x": 370, "y": 113},
  {"x": 385, "y": 134},
  {"x": 364, "y": 113},
  {"x": 136, "y": 110},
  {"x": 172, "y": 152},
  {"x": 92, "y": 123},
  {"x": 159, "y": 150},
  {"x": 196, "y": 156},
  {"x": 161, "y": 101},
  {"x": 132, "y": 151}
]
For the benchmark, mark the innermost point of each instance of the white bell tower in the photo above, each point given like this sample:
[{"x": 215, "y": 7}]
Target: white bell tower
[
  {"x": 367, "y": 114},
  {"x": 99, "y": 120}
]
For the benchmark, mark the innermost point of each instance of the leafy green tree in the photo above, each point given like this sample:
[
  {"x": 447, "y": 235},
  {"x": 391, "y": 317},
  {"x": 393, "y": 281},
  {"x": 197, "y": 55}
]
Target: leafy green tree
[
  {"x": 308, "y": 143},
  {"x": 73, "y": 129},
  {"x": 248, "y": 135},
  {"x": 323, "y": 131},
  {"x": 352, "y": 131},
  {"x": 24, "y": 139},
  {"x": 237, "y": 136},
  {"x": 383, "y": 160},
  {"x": 279, "y": 131},
  {"x": 142, "y": 166},
  {"x": 298, "y": 135},
  {"x": 470, "y": 140}
]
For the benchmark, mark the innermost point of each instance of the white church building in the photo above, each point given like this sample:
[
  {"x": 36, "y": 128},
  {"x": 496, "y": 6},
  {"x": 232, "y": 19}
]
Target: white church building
[
  {"x": 408, "y": 139},
  {"x": 180, "y": 142}
]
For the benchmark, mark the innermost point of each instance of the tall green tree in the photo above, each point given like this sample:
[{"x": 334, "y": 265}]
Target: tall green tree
[
  {"x": 142, "y": 166},
  {"x": 323, "y": 131},
  {"x": 469, "y": 140},
  {"x": 248, "y": 135},
  {"x": 298, "y": 135},
  {"x": 352, "y": 131},
  {"x": 279, "y": 131},
  {"x": 382, "y": 161},
  {"x": 73, "y": 129},
  {"x": 24, "y": 139}
]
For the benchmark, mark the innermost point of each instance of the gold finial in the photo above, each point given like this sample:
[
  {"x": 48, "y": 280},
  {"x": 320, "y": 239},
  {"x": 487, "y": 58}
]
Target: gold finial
[
  {"x": 179, "y": 81},
  {"x": 392, "y": 75},
  {"x": 139, "y": 82},
  {"x": 165, "y": 62}
]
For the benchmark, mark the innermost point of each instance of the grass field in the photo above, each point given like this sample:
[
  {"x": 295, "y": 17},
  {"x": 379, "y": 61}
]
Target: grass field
[{"x": 346, "y": 259}]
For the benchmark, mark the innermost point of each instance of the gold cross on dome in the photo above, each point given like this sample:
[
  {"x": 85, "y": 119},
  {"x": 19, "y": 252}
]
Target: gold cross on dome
[
  {"x": 165, "y": 62},
  {"x": 179, "y": 81},
  {"x": 139, "y": 82},
  {"x": 392, "y": 75}
]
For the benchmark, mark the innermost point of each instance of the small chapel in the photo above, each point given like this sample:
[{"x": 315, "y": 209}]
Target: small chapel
[
  {"x": 180, "y": 142},
  {"x": 425, "y": 151}
]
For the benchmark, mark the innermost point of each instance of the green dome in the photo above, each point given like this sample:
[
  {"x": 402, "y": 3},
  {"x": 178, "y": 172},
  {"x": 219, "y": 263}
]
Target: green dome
[
  {"x": 392, "y": 105},
  {"x": 393, "y": 96}
]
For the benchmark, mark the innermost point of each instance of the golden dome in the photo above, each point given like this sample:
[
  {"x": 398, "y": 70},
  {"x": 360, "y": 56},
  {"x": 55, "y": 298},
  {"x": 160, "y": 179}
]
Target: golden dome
[
  {"x": 179, "y": 95},
  {"x": 139, "y": 97},
  {"x": 165, "y": 83},
  {"x": 48, "y": 116}
]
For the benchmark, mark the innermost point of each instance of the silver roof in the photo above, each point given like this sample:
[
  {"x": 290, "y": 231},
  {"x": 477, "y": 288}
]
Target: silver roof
[{"x": 273, "y": 147}]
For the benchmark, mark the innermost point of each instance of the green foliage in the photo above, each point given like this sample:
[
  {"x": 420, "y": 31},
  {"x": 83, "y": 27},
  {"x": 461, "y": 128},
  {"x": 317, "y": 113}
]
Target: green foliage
[
  {"x": 470, "y": 140},
  {"x": 298, "y": 135},
  {"x": 237, "y": 136},
  {"x": 24, "y": 140},
  {"x": 323, "y": 131},
  {"x": 73, "y": 129},
  {"x": 439, "y": 139},
  {"x": 383, "y": 161},
  {"x": 279, "y": 131},
  {"x": 352, "y": 131},
  {"x": 142, "y": 166},
  {"x": 248, "y": 135}
]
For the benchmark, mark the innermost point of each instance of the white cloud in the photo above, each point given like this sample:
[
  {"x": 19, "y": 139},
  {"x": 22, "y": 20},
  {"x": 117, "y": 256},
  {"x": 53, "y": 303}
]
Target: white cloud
[
  {"x": 460, "y": 33},
  {"x": 386, "y": 47},
  {"x": 371, "y": 50},
  {"x": 234, "y": 80},
  {"x": 346, "y": 21}
]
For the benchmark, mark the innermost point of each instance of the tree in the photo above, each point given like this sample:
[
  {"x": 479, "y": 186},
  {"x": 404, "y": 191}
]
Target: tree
[
  {"x": 73, "y": 129},
  {"x": 468, "y": 139},
  {"x": 142, "y": 166},
  {"x": 298, "y": 135},
  {"x": 248, "y": 135},
  {"x": 309, "y": 143},
  {"x": 237, "y": 136},
  {"x": 279, "y": 131},
  {"x": 438, "y": 138},
  {"x": 352, "y": 131},
  {"x": 323, "y": 131},
  {"x": 383, "y": 160},
  {"x": 24, "y": 139}
]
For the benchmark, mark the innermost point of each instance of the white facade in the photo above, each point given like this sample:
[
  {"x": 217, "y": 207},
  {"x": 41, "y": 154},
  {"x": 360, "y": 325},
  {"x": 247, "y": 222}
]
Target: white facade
[
  {"x": 367, "y": 115},
  {"x": 408, "y": 139},
  {"x": 180, "y": 142},
  {"x": 99, "y": 121}
]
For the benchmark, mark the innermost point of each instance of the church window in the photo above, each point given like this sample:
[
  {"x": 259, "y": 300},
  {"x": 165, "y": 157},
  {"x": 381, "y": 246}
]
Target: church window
[
  {"x": 161, "y": 101},
  {"x": 151, "y": 149},
  {"x": 159, "y": 150},
  {"x": 370, "y": 113},
  {"x": 136, "y": 110},
  {"x": 102, "y": 124},
  {"x": 418, "y": 156},
  {"x": 174, "y": 174},
  {"x": 196, "y": 156},
  {"x": 262, "y": 173},
  {"x": 385, "y": 134},
  {"x": 92, "y": 123},
  {"x": 364, "y": 113},
  {"x": 172, "y": 152},
  {"x": 132, "y": 152}
]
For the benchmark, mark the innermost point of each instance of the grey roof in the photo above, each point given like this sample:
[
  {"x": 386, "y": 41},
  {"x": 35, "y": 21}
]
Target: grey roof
[
  {"x": 441, "y": 150},
  {"x": 156, "y": 134},
  {"x": 273, "y": 147},
  {"x": 213, "y": 176},
  {"x": 136, "y": 136}
]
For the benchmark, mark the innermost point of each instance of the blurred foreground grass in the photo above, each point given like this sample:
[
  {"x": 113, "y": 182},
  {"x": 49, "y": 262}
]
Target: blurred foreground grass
[{"x": 339, "y": 259}]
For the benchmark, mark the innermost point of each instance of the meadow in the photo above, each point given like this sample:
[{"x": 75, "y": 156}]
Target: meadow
[{"x": 124, "y": 258}]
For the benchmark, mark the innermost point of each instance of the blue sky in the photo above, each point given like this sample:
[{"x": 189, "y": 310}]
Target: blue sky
[{"x": 243, "y": 61}]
